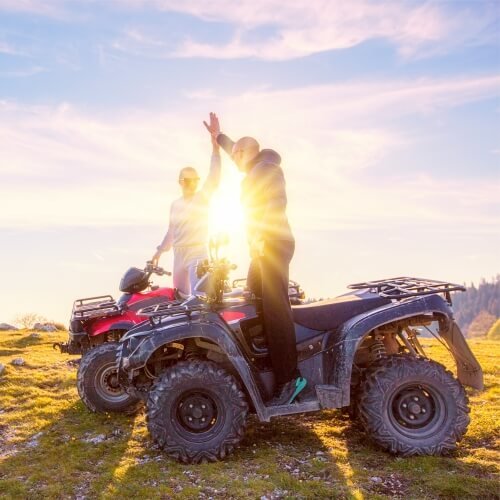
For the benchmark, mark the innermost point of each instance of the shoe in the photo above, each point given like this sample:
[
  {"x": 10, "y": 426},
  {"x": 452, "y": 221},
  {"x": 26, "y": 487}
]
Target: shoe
[{"x": 289, "y": 391}]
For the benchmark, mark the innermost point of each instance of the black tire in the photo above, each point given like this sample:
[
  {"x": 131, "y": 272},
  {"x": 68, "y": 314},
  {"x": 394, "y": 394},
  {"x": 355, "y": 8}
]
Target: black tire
[
  {"x": 196, "y": 412},
  {"x": 98, "y": 385},
  {"x": 413, "y": 406}
]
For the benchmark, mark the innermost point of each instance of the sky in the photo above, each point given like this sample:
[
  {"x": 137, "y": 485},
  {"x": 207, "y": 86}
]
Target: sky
[{"x": 385, "y": 113}]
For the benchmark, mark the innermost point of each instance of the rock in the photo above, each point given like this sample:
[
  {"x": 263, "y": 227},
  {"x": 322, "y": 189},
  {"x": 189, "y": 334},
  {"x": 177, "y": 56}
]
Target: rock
[
  {"x": 2, "y": 368},
  {"x": 96, "y": 439},
  {"x": 5, "y": 326},
  {"x": 320, "y": 453},
  {"x": 18, "y": 362},
  {"x": 35, "y": 336},
  {"x": 34, "y": 441},
  {"x": 45, "y": 327},
  {"x": 376, "y": 479}
]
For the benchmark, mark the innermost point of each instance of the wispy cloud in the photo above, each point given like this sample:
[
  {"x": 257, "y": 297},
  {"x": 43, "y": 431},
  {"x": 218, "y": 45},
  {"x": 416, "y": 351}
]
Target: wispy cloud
[
  {"x": 75, "y": 168},
  {"x": 50, "y": 8},
  {"x": 302, "y": 27},
  {"x": 23, "y": 73},
  {"x": 277, "y": 30},
  {"x": 10, "y": 50}
]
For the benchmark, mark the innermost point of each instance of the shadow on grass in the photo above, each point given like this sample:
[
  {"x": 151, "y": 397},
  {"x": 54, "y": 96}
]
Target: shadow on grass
[
  {"x": 285, "y": 457},
  {"x": 65, "y": 457},
  {"x": 11, "y": 352}
]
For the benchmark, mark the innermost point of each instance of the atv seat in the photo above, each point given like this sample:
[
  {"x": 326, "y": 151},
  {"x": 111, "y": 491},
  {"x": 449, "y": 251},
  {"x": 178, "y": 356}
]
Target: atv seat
[{"x": 329, "y": 314}]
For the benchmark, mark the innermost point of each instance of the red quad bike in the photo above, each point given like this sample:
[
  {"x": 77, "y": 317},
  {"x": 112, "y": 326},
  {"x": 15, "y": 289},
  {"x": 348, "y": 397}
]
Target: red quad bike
[
  {"x": 98, "y": 323},
  {"x": 202, "y": 374}
]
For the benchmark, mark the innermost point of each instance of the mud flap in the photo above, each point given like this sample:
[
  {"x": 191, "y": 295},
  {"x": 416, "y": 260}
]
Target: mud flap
[{"x": 469, "y": 371}]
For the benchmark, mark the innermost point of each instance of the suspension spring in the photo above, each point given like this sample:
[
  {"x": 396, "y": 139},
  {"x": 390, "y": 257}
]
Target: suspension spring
[{"x": 377, "y": 349}]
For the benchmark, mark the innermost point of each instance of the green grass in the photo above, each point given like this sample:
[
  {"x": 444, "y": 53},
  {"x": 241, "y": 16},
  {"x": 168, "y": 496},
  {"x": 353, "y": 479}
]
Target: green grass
[{"x": 44, "y": 453}]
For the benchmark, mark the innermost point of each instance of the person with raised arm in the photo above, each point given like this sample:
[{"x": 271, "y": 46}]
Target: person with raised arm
[
  {"x": 272, "y": 245},
  {"x": 188, "y": 226}
]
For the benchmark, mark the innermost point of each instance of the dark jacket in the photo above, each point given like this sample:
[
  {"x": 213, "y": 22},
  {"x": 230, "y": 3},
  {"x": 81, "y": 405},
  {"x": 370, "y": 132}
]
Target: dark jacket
[{"x": 263, "y": 195}]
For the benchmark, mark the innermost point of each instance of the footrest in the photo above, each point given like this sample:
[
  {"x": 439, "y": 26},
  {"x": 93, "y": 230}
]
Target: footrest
[{"x": 329, "y": 396}]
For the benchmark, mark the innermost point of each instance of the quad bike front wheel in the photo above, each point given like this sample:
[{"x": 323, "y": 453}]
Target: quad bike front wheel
[
  {"x": 97, "y": 382},
  {"x": 196, "y": 412},
  {"x": 413, "y": 406}
]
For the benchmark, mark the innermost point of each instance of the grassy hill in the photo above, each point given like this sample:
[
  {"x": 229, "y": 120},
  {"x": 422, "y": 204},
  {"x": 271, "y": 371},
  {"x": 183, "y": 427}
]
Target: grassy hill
[{"x": 52, "y": 447}]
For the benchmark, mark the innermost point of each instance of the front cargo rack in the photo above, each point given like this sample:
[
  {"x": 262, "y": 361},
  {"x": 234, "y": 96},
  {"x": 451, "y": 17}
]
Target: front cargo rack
[
  {"x": 95, "y": 307},
  {"x": 404, "y": 287},
  {"x": 169, "y": 309}
]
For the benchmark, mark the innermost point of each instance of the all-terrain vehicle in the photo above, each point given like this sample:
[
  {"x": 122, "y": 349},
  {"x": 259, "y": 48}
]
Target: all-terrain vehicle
[
  {"x": 201, "y": 374},
  {"x": 98, "y": 323},
  {"x": 97, "y": 320}
]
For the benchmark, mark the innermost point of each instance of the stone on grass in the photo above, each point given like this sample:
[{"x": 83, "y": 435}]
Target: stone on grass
[
  {"x": 2, "y": 368},
  {"x": 95, "y": 440},
  {"x": 35, "y": 336},
  {"x": 5, "y": 326},
  {"x": 18, "y": 362},
  {"x": 34, "y": 441},
  {"x": 45, "y": 327}
]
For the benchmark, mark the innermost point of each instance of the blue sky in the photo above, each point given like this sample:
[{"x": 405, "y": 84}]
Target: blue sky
[{"x": 386, "y": 114}]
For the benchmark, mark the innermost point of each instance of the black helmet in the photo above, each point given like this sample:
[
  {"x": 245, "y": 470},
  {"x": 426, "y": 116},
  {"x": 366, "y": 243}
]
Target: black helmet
[{"x": 134, "y": 280}]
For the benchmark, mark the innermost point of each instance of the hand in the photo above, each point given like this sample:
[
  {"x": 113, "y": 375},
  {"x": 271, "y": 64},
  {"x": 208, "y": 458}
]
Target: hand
[
  {"x": 213, "y": 127},
  {"x": 156, "y": 257}
]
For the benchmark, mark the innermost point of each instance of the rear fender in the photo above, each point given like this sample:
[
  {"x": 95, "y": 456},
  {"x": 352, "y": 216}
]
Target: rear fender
[
  {"x": 469, "y": 370},
  {"x": 212, "y": 330},
  {"x": 343, "y": 343}
]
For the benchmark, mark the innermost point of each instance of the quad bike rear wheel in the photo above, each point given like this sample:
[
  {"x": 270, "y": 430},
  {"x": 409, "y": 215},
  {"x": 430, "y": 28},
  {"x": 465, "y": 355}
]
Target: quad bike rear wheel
[
  {"x": 197, "y": 412},
  {"x": 97, "y": 382},
  {"x": 413, "y": 406}
]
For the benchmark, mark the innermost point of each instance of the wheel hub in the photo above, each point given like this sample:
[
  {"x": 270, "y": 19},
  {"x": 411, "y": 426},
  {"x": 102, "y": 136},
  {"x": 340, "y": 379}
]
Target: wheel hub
[
  {"x": 197, "y": 412},
  {"x": 110, "y": 381},
  {"x": 413, "y": 407},
  {"x": 107, "y": 385}
]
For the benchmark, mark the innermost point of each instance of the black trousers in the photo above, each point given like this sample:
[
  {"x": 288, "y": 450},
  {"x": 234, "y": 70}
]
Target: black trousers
[{"x": 268, "y": 279}]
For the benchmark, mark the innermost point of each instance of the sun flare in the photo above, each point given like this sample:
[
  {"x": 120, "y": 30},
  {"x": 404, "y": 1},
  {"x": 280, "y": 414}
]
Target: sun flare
[{"x": 226, "y": 214}]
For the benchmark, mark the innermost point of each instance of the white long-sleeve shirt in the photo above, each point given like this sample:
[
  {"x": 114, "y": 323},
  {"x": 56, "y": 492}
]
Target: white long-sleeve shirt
[{"x": 188, "y": 224}]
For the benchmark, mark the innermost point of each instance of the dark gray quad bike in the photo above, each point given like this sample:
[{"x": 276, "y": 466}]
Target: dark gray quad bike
[{"x": 201, "y": 373}]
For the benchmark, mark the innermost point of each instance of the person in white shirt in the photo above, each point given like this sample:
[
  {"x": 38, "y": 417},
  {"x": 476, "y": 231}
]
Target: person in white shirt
[{"x": 188, "y": 227}]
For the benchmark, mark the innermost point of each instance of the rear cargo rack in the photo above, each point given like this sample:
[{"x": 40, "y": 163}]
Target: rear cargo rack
[
  {"x": 404, "y": 287},
  {"x": 95, "y": 307}
]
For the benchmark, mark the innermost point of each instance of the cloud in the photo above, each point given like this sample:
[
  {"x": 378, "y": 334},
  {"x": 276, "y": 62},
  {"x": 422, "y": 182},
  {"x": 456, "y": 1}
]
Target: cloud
[
  {"x": 303, "y": 27},
  {"x": 49, "y": 8},
  {"x": 276, "y": 30},
  {"x": 8, "y": 49},
  {"x": 63, "y": 166},
  {"x": 22, "y": 73}
]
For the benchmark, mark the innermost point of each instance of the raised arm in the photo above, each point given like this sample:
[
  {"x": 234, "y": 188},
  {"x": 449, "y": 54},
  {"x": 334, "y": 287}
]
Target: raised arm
[
  {"x": 225, "y": 143},
  {"x": 218, "y": 138},
  {"x": 213, "y": 179}
]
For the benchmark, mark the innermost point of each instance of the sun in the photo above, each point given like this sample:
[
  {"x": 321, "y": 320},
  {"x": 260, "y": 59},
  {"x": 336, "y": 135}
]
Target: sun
[{"x": 226, "y": 214}]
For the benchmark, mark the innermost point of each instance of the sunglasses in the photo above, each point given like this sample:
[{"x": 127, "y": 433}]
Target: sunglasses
[{"x": 189, "y": 179}]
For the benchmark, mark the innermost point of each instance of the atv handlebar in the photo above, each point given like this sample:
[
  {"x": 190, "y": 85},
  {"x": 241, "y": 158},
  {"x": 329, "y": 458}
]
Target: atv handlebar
[{"x": 153, "y": 268}]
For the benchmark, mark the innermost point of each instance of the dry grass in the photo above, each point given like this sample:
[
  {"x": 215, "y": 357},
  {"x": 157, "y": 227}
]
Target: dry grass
[{"x": 45, "y": 453}]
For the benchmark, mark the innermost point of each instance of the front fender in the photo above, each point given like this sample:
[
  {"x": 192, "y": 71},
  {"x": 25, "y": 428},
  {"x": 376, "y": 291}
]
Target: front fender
[
  {"x": 344, "y": 343},
  {"x": 209, "y": 328}
]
